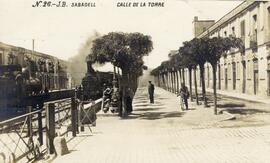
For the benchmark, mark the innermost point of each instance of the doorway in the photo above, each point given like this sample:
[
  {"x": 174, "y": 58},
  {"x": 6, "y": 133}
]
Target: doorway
[
  {"x": 256, "y": 76},
  {"x": 244, "y": 77},
  {"x": 226, "y": 78},
  {"x": 234, "y": 75},
  {"x": 256, "y": 82}
]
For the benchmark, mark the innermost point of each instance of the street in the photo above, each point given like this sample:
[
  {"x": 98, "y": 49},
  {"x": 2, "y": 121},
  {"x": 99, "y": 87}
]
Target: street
[{"x": 160, "y": 132}]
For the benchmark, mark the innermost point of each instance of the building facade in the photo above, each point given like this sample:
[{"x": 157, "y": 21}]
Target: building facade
[
  {"x": 247, "y": 73},
  {"x": 50, "y": 70}
]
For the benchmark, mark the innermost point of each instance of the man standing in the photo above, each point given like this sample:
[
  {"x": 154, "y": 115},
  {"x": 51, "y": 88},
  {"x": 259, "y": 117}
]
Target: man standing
[
  {"x": 151, "y": 89},
  {"x": 129, "y": 97}
]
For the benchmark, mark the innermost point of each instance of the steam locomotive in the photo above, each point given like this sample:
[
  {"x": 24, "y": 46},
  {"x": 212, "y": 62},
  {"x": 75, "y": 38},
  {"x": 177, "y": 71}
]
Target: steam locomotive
[{"x": 94, "y": 82}]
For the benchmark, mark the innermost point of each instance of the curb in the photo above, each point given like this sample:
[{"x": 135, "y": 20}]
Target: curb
[
  {"x": 231, "y": 116},
  {"x": 239, "y": 98}
]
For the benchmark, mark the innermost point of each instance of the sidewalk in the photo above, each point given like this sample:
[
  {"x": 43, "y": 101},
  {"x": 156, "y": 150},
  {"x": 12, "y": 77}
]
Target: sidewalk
[
  {"x": 161, "y": 133},
  {"x": 252, "y": 98}
]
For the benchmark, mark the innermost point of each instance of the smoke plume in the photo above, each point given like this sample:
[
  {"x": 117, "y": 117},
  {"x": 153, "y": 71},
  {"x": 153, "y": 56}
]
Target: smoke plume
[{"x": 77, "y": 65}]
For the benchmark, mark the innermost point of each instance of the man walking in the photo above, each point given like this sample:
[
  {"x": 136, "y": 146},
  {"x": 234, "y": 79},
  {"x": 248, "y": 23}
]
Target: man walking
[{"x": 151, "y": 89}]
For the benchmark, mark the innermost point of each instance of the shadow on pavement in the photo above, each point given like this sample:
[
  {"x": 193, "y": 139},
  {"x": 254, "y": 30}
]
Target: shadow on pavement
[
  {"x": 161, "y": 98},
  {"x": 191, "y": 108},
  {"x": 245, "y": 111},
  {"x": 141, "y": 101},
  {"x": 230, "y": 105},
  {"x": 148, "y": 109},
  {"x": 146, "y": 105},
  {"x": 154, "y": 115}
]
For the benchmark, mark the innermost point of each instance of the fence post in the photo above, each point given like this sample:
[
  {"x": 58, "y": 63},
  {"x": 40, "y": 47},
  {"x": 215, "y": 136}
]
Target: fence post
[
  {"x": 80, "y": 117},
  {"x": 50, "y": 127},
  {"x": 29, "y": 122},
  {"x": 73, "y": 117},
  {"x": 40, "y": 131}
]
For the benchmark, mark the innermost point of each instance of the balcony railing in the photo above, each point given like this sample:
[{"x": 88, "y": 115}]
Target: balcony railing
[{"x": 254, "y": 43}]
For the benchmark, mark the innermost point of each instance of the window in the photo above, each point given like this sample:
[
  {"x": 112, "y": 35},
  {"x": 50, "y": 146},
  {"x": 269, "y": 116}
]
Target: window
[
  {"x": 225, "y": 33},
  {"x": 255, "y": 18},
  {"x": 204, "y": 29},
  {"x": 242, "y": 26},
  {"x": 254, "y": 25},
  {"x": 255, "y": 35},
  {"x": 233, "y": 32},
  {"x": 253, "y": 38},
  {"x": 243, "y": 30}
]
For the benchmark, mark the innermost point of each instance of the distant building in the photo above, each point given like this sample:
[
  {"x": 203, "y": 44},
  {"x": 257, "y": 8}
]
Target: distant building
[
  {"x": 200, "y": 26},
  {"x": 50, "y": 70},
  {"x": 248, "y": 73}
]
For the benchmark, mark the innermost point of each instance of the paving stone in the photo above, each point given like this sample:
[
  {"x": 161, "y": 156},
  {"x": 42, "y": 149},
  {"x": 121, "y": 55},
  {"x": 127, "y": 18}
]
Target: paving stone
[{"x": 162, "y": 133}]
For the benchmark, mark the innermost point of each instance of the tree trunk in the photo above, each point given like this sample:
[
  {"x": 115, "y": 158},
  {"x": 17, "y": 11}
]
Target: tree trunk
[
  {"x": 170, "y": 79},
  {"x": 171, "y": 82},
  {"x": 180, "y": 77},
  {"x": 158, "y": 80},
  {"x": 214, "y": 66},
  {"x": 177, "y": 80},
  {"x": 174, "y": 83},
  {"x": 190, "y": 83},
  {"x": 124, "y": 87},
  {"x": 167, "y": 81},
  {"x": 133, "y": 83},
  {"x": 203, "y": 84},
  {"x": 183, "y": 74},
  {"x": 119, "y": 78},
  {"x": 163, "y": 81},
  {"x": 195, "y": 85}
]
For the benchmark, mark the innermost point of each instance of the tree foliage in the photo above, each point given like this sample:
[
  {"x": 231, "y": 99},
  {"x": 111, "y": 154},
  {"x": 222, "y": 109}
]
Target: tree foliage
[{"x": 124, "y": 50}]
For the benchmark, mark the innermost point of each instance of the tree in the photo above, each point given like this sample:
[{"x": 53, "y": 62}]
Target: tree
[
  {"x": 189, "y": 61},
  {"x": 215, "y": 48},
  {"x": 199, "y": 46},
  {"x": 124, "y": 50}
]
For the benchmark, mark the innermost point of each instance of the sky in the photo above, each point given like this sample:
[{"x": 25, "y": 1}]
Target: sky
[{"x": 62, "y": 31}]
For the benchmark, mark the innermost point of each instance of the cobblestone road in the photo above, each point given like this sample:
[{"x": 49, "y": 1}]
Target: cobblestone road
[{"x": 161, "y": 133}]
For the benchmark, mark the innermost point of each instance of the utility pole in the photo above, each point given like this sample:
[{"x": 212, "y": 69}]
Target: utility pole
[{"x": 30, "y": 66}]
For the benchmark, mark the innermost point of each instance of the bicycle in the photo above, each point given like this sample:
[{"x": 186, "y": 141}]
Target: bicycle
[{"x": 182, "y": 102}]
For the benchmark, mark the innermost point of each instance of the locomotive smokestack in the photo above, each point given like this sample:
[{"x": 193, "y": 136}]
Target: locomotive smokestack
[
  {"x": 89, "y": 62},
  {"x": 77, "y": 65}
]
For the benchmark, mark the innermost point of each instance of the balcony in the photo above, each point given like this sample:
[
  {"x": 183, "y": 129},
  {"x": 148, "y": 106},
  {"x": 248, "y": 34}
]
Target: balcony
[{"x": 253, "y": 43}]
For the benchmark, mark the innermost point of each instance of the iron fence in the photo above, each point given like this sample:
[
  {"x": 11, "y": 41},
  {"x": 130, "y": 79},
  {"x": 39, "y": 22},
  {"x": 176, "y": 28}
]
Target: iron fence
[{"x": 22, "y": 137}]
